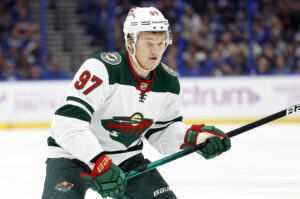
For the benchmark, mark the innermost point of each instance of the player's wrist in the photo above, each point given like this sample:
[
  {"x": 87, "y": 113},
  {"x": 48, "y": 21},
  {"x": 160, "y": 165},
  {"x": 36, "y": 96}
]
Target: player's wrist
[{"x": 96, "y": 158}]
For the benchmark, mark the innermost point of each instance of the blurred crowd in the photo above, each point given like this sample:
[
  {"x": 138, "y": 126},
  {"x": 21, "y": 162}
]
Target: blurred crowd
[
  {"x": 214, "y": 38},
  {"x": 215, "y": 34},
  {"x": 20, "y": 45}
]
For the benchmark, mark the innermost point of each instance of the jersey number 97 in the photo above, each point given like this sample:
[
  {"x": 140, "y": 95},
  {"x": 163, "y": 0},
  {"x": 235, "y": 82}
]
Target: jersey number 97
[{"x": 83, "y": 80}]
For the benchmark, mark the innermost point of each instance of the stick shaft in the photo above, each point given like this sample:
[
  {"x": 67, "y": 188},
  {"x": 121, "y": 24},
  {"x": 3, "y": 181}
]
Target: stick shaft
[
  {"x": 264, "y": 120},
  {"x": 230, "y": 134},
  {"x": 256, "y": 124}
]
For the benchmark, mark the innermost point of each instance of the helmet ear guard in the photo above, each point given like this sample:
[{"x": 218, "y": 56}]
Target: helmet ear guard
[
  {"x": 169, "y": 37},
  {"x": 130, "y": 38}
]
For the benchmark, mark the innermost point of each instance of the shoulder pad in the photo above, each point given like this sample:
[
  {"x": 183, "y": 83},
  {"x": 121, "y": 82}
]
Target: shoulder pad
[{"x": 168, "y": 69}]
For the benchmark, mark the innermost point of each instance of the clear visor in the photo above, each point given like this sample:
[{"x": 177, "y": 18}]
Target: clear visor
[{"x": 150, "y": 43}]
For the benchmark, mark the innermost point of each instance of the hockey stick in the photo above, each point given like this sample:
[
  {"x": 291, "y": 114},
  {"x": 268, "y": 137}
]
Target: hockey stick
[{"x": 247, "y": 127}]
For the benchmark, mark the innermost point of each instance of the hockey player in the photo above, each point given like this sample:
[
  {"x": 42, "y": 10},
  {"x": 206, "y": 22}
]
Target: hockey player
[{"x": 115, "y": 101}]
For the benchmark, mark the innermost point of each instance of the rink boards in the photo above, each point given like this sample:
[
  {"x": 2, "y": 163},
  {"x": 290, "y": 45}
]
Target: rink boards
[{"x": 29, "y": 104}]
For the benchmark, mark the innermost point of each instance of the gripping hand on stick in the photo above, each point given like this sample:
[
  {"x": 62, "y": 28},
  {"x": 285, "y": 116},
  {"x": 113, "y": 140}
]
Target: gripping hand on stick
[
  {"x": 109, "y": 179},
  {"x": 215, "y": 141}
]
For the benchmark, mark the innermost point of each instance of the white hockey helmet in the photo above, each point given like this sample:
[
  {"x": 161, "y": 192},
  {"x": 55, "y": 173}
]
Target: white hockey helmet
[{"x": 145, "y": 19}]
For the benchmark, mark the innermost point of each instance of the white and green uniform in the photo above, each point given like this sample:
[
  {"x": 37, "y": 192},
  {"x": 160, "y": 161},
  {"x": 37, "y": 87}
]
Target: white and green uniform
[{"x": 110, "y": 109}]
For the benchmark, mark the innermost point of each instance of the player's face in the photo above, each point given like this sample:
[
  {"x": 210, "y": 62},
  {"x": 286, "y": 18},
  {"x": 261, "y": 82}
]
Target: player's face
[{"x": 150, "y": 47}]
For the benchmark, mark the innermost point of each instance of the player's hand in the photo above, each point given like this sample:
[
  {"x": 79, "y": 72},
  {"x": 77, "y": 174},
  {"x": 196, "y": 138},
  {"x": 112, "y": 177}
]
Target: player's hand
[
  {"x": 109, "y": 179},
  {"x": 216, "y": 141}
]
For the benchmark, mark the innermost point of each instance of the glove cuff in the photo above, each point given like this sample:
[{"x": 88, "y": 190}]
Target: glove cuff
[
  {"x": 102, "y": 165},
  {"x": 96, "y": 158},
  {"x": 190, "y": 138}
]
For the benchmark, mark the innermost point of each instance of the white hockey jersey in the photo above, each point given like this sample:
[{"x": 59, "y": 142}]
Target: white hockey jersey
[{"x": 109, "y": 109}]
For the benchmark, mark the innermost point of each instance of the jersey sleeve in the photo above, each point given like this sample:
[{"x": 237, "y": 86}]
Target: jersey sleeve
[
  {"x": 85, "y": 95},
  {"x": 167, "y": 134}
]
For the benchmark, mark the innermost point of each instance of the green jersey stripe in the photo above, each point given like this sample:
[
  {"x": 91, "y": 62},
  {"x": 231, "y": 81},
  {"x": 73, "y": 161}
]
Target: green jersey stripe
[
  {"x": 177, "y": 119},
  {"x": 73, "y": 112},
  {"x": 133, "y": 148},
  {"x": 76, "y": 99},
  {"x": 152, "y": 131},
  {"x": 52, "y": 142}
]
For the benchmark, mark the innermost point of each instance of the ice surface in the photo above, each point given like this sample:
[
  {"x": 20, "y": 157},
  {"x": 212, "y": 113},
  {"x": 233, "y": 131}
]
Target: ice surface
[{"x": 263, "y": 163}]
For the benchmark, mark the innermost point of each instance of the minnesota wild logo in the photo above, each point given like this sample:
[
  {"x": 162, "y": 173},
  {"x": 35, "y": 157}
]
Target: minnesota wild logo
[
  {"x": 64, "y": 186},
  {"x": 112, "y": 58},
  {"x": 126, "y": 130}
]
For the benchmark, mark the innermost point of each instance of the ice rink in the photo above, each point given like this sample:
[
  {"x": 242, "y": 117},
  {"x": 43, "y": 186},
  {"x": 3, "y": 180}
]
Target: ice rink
[{"x": 263, "y": 163}]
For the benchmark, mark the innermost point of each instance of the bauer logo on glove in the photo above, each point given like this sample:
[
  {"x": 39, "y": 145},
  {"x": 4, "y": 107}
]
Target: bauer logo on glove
[{"x": 109, "y": 179}]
